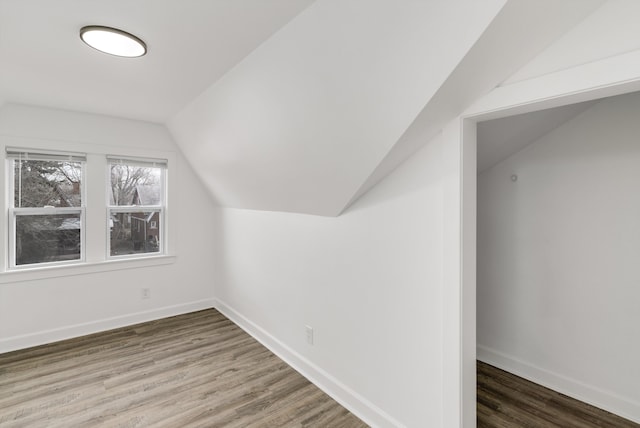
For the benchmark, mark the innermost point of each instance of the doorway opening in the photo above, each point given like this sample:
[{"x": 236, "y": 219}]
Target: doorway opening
[{"x": 558, "y": 239}]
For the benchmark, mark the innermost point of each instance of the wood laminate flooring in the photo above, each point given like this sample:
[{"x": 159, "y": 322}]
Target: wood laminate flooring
[
  {"x": 193, "y": 370},
  {"x": 506, "y": 400}
]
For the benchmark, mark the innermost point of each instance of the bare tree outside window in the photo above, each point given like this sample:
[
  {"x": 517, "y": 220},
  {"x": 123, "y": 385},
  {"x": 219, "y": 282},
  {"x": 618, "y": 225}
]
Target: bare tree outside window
[
  {"x": 125, "y": 180},
  {"x": 47, "y": 183},
  {"x": 136, "y": 208},
  {"x": 47, "y": 210},
  {"x": 43, "y": 233}
]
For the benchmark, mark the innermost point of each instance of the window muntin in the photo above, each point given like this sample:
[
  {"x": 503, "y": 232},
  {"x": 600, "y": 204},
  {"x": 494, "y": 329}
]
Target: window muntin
[
  {"x": 136, "y": 207},
  {"x": 46, "y": 211}
]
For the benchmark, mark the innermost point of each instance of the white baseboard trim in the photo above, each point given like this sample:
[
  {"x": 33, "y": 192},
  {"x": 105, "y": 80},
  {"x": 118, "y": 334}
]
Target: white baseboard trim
[
  {"x": 606, "y": 400},
  {"x": 68, "y": 332},
  {"x": 351, "y": 400}
]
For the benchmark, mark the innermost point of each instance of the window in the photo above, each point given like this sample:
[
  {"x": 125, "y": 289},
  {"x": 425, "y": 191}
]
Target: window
[
  {"x": 46, "y": 207},
  {"x": 136, "y": 206}
]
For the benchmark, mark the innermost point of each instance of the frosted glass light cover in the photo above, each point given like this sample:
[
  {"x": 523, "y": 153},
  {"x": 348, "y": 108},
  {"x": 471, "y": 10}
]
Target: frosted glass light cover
[{"x": 113, "y": 41}]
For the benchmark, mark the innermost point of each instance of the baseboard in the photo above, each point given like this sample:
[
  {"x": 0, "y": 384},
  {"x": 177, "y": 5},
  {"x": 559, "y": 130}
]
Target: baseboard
[
  {"x": 597, "y": 397},
  {"x": 351, "y": 400},
  {"x": 68, "y": 332}
]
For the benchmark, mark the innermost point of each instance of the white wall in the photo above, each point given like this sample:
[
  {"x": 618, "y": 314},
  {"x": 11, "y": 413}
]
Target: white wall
[
  {"x": 39, "y": 308},
  {"x": 558, "y": 289},
  {"x": 369, "y": 282}
]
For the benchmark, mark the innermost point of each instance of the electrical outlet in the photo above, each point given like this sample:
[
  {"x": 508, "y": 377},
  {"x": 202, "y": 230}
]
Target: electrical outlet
[
  {"x": 145, "y": 293},
  {"x": 309, "y": 331}
]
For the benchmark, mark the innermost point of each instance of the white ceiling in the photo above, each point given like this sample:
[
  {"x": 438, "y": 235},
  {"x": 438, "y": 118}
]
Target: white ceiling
[
  {"x": 192, "y": 43},
  {"x": 285, "y": 105}
]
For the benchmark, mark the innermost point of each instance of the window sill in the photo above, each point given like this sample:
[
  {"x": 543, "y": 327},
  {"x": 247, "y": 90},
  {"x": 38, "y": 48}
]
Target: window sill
[{"x": 38, "y": 273}]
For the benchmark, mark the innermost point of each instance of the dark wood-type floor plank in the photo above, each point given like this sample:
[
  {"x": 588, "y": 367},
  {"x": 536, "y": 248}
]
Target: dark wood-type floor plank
[
  {"x": 193, "y": 370},
  {"x": 506, "y": 401}
]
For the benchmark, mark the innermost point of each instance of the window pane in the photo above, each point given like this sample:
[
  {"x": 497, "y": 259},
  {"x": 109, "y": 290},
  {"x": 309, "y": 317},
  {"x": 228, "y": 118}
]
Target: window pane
[
  {"x": 135, "y": 232},
  {"x": 135, "y": 185},
  {"x": 47, "y": 238},
  {"x": 40, "y": 183}
]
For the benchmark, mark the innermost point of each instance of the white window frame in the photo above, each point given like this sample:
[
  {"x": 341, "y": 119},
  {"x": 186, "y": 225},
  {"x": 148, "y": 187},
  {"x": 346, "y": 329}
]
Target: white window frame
[
  {"x": 13, "y": 154},
  {"x": 130, "y": 209},
  {"x": 94, "y": 193}
]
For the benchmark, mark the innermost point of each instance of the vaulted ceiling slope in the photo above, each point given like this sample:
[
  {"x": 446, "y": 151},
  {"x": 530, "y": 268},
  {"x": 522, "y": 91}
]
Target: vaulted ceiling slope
[{"x": 348, "y": 89}]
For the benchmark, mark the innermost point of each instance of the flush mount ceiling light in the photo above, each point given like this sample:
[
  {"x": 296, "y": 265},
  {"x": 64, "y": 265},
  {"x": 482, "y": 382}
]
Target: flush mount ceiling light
[{"x": 113, "y": 41}]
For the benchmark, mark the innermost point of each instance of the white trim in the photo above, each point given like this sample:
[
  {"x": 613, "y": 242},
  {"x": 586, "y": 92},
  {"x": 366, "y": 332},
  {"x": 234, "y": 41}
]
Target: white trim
[
  {"x": 599, "y": 79},
  {"x": 459, "y": 270},
  {"x": 137, "y": 161},
  {"x": 35, "y": 272},
  {"x": 609, "y": 401},
  {"x": 134, "y": 208},
  {"x": 47, "y": 155},
  {"x": 49, "y": 336},
  {"x": 468, "y": 208},
  {"x": 351, "y": 400},
  {"x": 452, "y": 320},
  {"x": 46, "y": 210}
]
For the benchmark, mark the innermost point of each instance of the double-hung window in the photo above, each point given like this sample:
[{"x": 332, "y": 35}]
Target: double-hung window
[
  {"x": 136, "y": 206},
  {"x": 46, "y": 207}
]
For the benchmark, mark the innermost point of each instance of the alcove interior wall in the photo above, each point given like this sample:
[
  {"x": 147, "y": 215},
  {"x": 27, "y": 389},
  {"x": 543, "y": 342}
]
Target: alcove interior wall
[{"x": 558, "y": 219}]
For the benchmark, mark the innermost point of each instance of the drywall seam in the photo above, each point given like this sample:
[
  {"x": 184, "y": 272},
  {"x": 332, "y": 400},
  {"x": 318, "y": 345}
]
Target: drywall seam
[
  {"x": 48, "y": 336},
  {"x": 590, "y": 394},
  {"x": 354, "y": 402}
]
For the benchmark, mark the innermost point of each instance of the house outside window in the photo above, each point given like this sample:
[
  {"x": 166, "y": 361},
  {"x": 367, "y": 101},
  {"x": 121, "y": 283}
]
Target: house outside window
[
  {"x": 46, "y": 207},
  {"x": 136, "y": 206}
]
